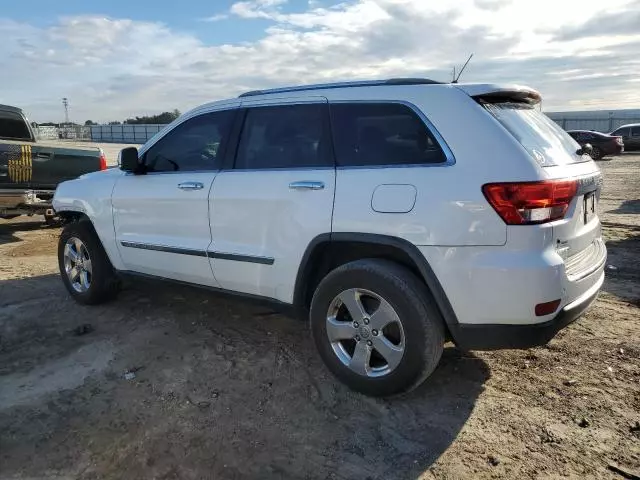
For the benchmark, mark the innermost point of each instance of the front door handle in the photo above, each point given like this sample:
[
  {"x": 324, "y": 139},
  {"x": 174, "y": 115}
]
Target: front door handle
[
  {"x": 190, "y": 186},
  {"x": 306, "y": 185}
]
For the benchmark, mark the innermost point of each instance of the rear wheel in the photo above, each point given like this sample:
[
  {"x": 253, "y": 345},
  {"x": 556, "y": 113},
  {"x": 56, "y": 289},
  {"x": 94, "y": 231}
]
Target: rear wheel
[
  {"x": 596, "y": 153},
  {"x": 84, "y": 266},
  {"x": 376, "y": 328}
]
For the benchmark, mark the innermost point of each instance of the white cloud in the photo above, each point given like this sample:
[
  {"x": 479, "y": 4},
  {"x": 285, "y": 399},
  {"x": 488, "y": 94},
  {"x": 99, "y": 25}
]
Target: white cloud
[
  {"x": 216, "y": 18},
  {"x": 115, "y": 68}
]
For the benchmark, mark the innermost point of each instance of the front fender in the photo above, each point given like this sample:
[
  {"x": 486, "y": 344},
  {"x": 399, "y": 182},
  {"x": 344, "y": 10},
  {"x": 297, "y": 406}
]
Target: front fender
[{"x": 91, "y": 195}]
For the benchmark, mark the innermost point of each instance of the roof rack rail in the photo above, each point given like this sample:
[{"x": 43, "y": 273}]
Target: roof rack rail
[{"x": 324, "y": 86}]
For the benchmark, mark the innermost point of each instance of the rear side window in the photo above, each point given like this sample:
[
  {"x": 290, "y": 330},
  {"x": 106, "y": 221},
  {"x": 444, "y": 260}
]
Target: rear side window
[
  {"x": 285, "y": 136},
  {"x": 193, "y": 145},
  {"x": 621, "y": 132},
  {"x": 369, "y": 134},
  {"x": 583, "y": 136},
  {"x": 13, "y": 126},
  {"x": 546, "y": 142}
]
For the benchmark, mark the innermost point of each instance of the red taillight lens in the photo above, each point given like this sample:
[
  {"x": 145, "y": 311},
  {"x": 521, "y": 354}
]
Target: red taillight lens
[
  {"x": 103, "y": 161},
  {"x": 530, "y": 203}
]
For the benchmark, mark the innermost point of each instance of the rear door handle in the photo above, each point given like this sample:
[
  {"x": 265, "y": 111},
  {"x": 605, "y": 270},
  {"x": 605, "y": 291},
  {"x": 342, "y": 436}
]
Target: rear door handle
[
  {"x": 306, "y": 185},
  {"x": 190, "y": 186}
]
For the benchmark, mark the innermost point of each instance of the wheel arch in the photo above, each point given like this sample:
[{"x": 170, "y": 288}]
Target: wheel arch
[
  {"x": 329, "y": 250},
  {"x": 69, "y": 216},
  {"x": 107, "y": 243}
]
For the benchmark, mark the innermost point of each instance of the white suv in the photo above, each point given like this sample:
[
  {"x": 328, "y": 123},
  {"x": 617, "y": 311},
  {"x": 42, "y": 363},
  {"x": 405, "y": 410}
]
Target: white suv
[{"x": 393, "y": 214}]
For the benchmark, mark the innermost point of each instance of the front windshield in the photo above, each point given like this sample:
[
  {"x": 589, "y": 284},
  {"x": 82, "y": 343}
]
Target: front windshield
[{"x": 545, "y": 141}]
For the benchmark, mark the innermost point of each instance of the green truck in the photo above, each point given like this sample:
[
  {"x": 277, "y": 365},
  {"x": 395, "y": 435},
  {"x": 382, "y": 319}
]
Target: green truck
[{"x": 31, "y": 170}]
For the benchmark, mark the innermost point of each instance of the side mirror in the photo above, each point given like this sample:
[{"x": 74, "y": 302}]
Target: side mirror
[{"x": 128, "y": 160}]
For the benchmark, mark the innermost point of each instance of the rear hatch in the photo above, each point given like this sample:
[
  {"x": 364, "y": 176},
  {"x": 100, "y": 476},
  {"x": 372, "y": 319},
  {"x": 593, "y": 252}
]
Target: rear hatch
[{"x": 568, "y": 199}]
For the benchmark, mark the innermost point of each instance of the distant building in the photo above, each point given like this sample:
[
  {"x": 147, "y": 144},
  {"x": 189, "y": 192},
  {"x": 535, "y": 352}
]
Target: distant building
[{"x": 599, "y": 120}]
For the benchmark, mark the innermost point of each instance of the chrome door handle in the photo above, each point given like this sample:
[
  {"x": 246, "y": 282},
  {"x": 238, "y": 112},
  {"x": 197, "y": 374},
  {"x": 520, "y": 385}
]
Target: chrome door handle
[
  {"x": 190, "y": 186},
  {"x": 306, "y": 185}
]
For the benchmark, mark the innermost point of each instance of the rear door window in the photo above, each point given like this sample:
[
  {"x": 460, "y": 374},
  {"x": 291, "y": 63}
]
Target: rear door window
[
  {"x": 584, "y": 136},
  {"x": 635, "y": 131},
  {"x": 546, "y": 142},
  {"x": 285, "y": 136},
  {"x": 382, "y": 134}
]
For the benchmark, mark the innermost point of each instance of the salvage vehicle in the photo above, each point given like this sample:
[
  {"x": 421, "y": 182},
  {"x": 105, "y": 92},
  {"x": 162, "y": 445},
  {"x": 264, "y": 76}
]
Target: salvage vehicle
[
  {"x": 31, "y": 170},
  {"x": 598, "y": 145},
  {"x": 393, "y": 215},
  {"x": 630, "y": 135}
]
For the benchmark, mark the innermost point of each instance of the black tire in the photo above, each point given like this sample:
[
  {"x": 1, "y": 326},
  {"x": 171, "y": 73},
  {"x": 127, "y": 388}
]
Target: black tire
[
  {"x": 596, "y": 153},
  {"x": 423, "y": 326},
  {"x": 104, "y": 284},
  {"x": 52, "y": 220}
]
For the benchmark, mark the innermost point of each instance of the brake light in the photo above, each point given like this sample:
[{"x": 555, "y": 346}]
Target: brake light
[
  {"x": 619, "y": 140},
  {"x": 103, "y": 161},
  {"x": 531, "y": 203}
]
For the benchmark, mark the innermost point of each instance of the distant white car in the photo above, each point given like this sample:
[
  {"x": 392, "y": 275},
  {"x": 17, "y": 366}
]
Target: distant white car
[{"x": 393, "y": 214}]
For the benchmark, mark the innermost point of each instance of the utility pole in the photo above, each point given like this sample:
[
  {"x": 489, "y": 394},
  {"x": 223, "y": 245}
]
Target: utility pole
[{"x": 65, "y": 103}]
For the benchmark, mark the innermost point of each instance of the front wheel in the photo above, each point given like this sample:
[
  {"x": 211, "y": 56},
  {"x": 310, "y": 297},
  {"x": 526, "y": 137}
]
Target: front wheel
[
  {"x": 596, "y": 153},
  {"x": 84, "y": 266},
  {"x": 376, "y": 327}
]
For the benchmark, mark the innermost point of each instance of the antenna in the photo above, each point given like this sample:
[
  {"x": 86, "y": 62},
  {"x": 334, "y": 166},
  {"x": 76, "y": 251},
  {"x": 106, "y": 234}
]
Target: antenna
[{"x": 455, "y": 80}]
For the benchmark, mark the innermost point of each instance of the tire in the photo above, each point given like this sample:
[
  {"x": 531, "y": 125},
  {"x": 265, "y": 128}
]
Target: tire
[
  {"x": 596, "y": 153},
  {"x": 420, "y": 334},
  {"x": 102, "y": 283},
  {"x": 52, "y": 221}
]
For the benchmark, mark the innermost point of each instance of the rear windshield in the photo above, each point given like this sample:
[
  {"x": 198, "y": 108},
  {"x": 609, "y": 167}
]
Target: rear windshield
[
  {"x": 13, "y": 127},
  {"x": 545, "y": 141}
]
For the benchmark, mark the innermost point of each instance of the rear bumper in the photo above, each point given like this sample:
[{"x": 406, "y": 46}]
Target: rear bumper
[
  {"x": 24, "y": 201},
  {"x": 613, "y": 150},
  {"x": 496, "y": 336}
]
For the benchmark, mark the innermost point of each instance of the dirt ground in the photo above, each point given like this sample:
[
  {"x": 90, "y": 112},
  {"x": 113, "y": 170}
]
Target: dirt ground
[{"x": 176, "y": 383}]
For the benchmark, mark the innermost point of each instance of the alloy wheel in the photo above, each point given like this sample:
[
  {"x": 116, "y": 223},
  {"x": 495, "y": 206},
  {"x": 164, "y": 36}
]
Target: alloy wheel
[
  {"x": 77, "y": 264},
  {"x": 365, "y": 332}
]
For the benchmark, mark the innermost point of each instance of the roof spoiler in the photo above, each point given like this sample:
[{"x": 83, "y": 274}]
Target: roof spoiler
[{"x": 491, "y": 93}]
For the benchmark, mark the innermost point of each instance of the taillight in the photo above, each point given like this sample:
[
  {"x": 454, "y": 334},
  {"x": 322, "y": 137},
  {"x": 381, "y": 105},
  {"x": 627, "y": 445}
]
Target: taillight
[
  {"x": 619, "y": 140},
  {"x": 530, "y": 203},
  {"x": 103, "y": 161}
]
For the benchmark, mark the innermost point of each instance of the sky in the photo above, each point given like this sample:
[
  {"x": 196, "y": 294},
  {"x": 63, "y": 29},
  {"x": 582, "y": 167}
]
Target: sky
[{"x": 117, "y": 59}]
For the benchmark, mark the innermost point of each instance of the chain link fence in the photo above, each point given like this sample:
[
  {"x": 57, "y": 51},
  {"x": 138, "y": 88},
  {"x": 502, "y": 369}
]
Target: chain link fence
[
  {"x": 73, "y": 132},
  {"x": 99, "y": 133},
  {"x": 125, "y": 133}
]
